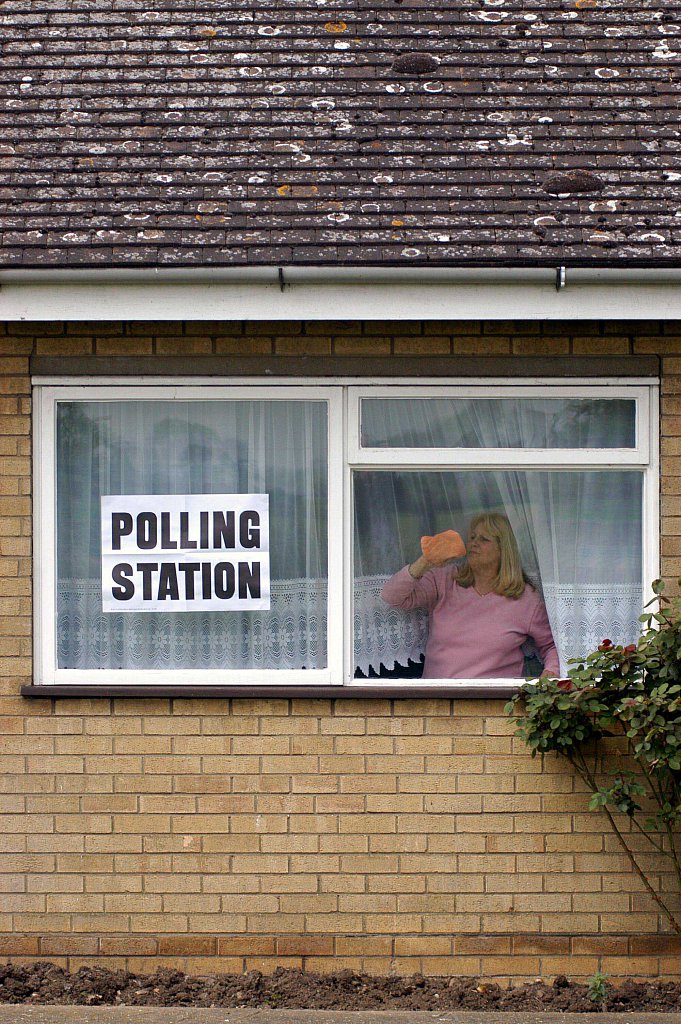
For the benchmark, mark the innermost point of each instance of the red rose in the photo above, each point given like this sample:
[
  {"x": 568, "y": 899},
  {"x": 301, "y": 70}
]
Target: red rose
[
  {"x": 566, "y": 685},
  {"x": 605, "y": 645},
  {"x": 631, "y": 648}
]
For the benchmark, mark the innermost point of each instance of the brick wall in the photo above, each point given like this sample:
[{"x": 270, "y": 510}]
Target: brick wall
[{"x": 377, "y": 835}]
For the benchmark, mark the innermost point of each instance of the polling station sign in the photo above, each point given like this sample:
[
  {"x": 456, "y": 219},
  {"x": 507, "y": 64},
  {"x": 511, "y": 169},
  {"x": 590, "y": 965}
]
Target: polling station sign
[{"x": 185, "y": 552}]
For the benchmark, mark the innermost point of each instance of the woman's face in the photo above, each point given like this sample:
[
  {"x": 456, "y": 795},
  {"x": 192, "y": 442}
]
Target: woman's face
[{"x": 483, "y": 551}]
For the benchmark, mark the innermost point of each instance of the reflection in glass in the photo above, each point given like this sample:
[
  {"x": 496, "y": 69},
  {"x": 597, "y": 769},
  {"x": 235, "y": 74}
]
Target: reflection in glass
[{"x": 498, "y": 423}]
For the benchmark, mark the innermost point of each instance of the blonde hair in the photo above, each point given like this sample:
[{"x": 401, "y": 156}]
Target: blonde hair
[{"x": 510, "y": 581}]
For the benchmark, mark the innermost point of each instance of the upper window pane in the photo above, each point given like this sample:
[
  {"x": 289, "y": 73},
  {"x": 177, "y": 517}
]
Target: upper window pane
[
  {"x": 179, "y": 455},
  {"x": 498, "y": 423}
]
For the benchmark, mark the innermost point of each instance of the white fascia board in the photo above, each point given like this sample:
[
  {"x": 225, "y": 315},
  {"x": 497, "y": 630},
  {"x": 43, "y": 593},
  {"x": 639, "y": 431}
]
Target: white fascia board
[{"x": 350, "y": 293}]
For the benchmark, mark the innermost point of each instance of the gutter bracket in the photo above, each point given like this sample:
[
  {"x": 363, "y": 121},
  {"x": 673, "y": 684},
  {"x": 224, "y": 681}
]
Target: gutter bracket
[
  {"x": 282, "y": 282},
  {"x": 561, "y": 278}
]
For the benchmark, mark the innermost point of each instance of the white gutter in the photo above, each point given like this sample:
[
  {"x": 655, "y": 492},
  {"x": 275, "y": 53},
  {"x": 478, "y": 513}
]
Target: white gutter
[{"x": 340, "y": 293}]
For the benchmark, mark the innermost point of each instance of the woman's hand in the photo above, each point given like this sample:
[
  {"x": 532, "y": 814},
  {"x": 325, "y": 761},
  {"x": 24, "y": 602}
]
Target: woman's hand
[
  {"x": 420, "y": 567},
  {"x": 437, "y": 550}
]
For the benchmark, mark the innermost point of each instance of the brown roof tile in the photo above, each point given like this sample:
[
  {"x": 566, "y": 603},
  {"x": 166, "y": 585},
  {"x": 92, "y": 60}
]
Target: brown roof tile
[{"x": 239, "y": 131}]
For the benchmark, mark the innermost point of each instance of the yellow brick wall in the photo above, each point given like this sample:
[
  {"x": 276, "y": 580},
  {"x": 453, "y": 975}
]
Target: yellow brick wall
[{"x": 384, "y": 836}]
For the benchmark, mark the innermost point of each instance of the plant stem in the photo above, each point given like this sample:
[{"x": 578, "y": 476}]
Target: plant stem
[
  {"x": 646, "y": 835},
  {"x": 676, "y": 925},
  {"x": 591, "y": 782},
  {"x": 673, "y": 854},
  {"x": 649, "y": 779},
  {"x": 660, "y": 797}
]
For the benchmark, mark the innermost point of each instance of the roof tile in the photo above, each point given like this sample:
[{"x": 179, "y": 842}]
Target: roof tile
[{"x": 243, "y": 132}]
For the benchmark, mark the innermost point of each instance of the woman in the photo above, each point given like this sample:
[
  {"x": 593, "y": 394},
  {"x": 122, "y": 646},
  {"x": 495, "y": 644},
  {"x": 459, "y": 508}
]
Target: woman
[{"x": 480, "y": 614}]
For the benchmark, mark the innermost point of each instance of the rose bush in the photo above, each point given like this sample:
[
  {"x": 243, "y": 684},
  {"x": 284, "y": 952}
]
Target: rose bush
[{"x": 617, "y": 720}]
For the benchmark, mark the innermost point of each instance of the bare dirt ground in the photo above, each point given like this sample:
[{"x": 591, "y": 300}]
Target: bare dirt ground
[{"x": 44, "y": 984}]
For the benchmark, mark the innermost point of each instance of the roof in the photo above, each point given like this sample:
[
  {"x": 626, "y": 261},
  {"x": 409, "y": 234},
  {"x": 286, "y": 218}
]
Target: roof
[{"x": 231, "y": 132}]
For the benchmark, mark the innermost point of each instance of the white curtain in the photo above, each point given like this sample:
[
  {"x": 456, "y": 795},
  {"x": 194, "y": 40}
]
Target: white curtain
[
  {"x": 549, "y": 423},
  {"x": 580, "y": 533},
  {"x": 159, "y": 447}
]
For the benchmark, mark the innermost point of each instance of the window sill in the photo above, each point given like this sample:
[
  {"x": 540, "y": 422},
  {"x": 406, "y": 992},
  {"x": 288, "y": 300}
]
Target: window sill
[{"x": 353, "y": 692}]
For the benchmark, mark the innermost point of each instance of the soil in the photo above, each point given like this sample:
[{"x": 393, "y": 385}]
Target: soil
[{"x": 45, "y": 983}]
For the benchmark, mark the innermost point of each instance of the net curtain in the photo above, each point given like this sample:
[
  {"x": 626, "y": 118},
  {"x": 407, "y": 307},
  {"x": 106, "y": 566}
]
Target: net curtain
[
  {"x": 159, "y": 447},
  {"x": 579, "y": 532}
]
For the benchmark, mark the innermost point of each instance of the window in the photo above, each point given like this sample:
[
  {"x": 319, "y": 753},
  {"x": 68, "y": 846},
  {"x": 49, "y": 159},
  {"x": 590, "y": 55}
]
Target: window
[{"x": 221, "y": 534}]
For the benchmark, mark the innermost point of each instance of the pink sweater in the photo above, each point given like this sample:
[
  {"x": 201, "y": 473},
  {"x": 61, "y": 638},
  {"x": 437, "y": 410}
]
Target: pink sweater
[{"x": 469, "y": 636}]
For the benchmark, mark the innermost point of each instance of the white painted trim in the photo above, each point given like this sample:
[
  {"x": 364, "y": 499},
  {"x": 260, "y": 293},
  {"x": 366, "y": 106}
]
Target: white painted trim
[
  {"x": 651, "y": 524},
  {"x": 643, "y": 457},
  {"x": 511, "y": 685},
  {"x": 358, "y": 293},
  {"x": 335, "y": 541},
  {"x": 186, "y": 677},
  {"x": 501, "y": 458},
  {"x": 44, "y": 546},
  {"x": 94, "y": 389},
  {"x": 45, "y": 519},
  {"x": 348, "y": 527},
  {"x": 507, "y": 458},
  {"x": 324, "y": 275},
  {"x": 204, "y": 383}
]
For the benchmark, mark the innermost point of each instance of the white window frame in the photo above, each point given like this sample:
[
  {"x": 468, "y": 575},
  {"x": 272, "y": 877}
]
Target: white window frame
[
  {"x": 345, "y": 455},
  {"x": 502, "y": 457},
  {"x": 643, "y": 456},
  {"x": 45, "y": 513}
]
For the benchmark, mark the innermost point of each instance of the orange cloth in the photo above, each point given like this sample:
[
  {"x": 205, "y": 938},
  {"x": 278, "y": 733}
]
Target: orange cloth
[{"x": 442, "y": 547}]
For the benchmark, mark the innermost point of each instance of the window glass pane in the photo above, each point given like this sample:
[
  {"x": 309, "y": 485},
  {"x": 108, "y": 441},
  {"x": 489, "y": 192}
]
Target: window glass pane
[
  {"x": 579, "y": 536},
  {"x": 273, "y": 448},
  {"x": 498, "y": 423}
]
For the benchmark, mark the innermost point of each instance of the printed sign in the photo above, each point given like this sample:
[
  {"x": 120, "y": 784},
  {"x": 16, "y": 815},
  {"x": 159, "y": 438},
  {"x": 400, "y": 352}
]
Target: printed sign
[{"x": 185, "y": 552}]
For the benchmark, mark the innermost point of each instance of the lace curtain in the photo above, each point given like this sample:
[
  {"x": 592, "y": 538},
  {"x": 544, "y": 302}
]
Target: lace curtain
[
  {"x": 291, "y": 634},
  {"x": 580, "y": 617}
]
